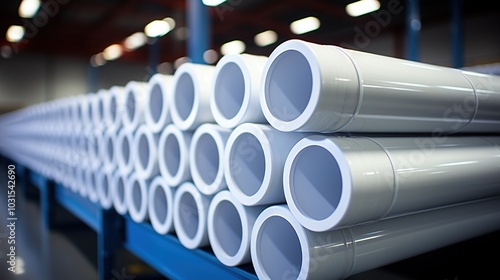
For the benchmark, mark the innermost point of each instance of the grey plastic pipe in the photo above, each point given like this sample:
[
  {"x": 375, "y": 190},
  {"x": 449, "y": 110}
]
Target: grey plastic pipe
[
  {"x": 253, "y": 163},
  {"x": 333, "y": 182},
  {"x": 282, "y": 249},
  {"x": 230, "y": 227},
  {"x": 136, "y": 198},
  {"x": 173, "y": 155},
  {"x": 321, "y": 88},
  {"x": 235, "y": 97},
  {"x": 134, "y": 105},
  {"x": 119, "y": 192},
  {"x": 206, "y": 154},
  {"x": 158, "y": 98},
  {"x": 190, "y": 106},
  {"x": 190, "y": 216},
  {"x": 145, "y": 147},
  {"x": 104, "y": 194},
  {"x": 161, "y": 205}
]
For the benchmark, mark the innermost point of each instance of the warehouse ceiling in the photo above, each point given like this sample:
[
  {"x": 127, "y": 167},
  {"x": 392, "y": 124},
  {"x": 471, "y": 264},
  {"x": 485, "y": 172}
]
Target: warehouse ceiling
[{"x": 85, "y": 27}]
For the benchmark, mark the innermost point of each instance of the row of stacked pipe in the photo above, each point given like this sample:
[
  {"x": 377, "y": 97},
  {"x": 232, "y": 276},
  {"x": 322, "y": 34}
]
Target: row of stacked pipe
[{"x": 316, "y": 162}]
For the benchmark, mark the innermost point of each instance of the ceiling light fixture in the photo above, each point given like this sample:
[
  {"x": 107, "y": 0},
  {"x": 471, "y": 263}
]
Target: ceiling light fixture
[
  {"x": 29, "y": 8},
  {"x": 266, "y": 38},
  {"x": 135, "y": 41},
  {"x": 157, "y": 28},
  {"x": 233, "y": 47},
  {"x": 15, "y": 33},
  {"x": 112, "y": 52},
  {"x": 305, "y": 25},
  {"x": 213, "y": 3},
  {"x": 362, "y": 7}
]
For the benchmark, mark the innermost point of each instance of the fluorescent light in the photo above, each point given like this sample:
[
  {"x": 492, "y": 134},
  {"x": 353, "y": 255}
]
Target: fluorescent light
[
  {"x": 362, "y": 7},
  {"x": 266, "y": 38},
  {"x": 157, "y": 28},
  {"x": 213, "y": 3},
  {"x": 235, "y": 46},
  {"x": 135, "y": 41},
  {"x": 97, "y": 60},
  {"x": 15, "y": 33},
  {"x": 28, "y": 8},
  {"x": 112, "y": 52},
  {"x": 305, "y": 25},
  {"x": 170, "y": 21}
]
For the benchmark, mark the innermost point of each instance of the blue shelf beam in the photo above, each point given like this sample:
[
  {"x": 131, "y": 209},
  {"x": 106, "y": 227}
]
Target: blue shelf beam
[
  {"x": 81, "y": 207},
  {"x": 167, "y": 255}
]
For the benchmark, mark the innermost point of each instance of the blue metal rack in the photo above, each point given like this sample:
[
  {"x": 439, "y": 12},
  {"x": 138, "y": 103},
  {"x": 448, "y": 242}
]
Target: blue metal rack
[{"x": 162, "y": 252}]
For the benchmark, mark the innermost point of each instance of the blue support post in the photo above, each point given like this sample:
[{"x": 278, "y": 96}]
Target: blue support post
[
  {"x": 199, "y": 30},
  {"x": 154, "y": 57},
  {"x": 109, "y": 238},
  {"x": 457, "y": 44},
  {"x": 413, "y": 27},
  {"x": 48, "y": 203},
  {"x": 92, "y": 74}
]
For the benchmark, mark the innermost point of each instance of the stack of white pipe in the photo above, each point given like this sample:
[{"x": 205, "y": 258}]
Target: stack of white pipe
[{"x": 233, "y": 157}]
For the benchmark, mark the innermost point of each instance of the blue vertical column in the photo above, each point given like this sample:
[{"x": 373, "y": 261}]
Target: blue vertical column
[
  {"x": 109, "y": 239},
  {"x": 457, "y": 44},
  {"x": 154, "y": 56},
  {"x": 199, "y": 30},
  {"x": 413, "y": 27},
  {"x": 92, "y": 74}
]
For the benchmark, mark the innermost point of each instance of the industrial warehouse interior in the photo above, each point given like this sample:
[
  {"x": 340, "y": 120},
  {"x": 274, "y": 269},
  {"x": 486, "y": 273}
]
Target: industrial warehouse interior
[{"x": 249, "y": 139}]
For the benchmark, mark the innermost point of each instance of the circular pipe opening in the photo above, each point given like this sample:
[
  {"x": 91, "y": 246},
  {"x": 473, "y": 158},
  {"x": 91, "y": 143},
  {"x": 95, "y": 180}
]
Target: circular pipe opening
[
  {"x": 143, "y": 151},
  {"x": 113, "y": 108},
  {"x": 207, "y": 158},
  {"x": 136, "y": 196},
  {"x": 315, "y": 182},
  {"x": 110, "y": 149},
  {"x": 229, "y": 90},
  {"x": 130, "y": 106},
  {"x": 119, "y": 198},
  {"x": 160, "y": 204},
  {"x": 288, "y": 85},
  {"x": 228, "y": 228},
  {"x": 126, "y": 150},
  {"x": 184, "y": 96},
  {"x": 172, "y": 156},
  {"x": 188, "y": 214},
  {"x": 247, "y": 163},
  {"x": 156, "y": 102},
  {"x": 278, "y": 249}
]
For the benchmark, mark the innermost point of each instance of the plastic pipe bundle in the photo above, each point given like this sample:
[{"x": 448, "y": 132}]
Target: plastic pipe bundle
[
  {"x": 321, "y": 88},
  {"x": 136, "y": 198},
  {"x": 235, "y": 90},
  {"x": 158, "y": 98},
  {"x": 134, "y": 105},
  {"x": 253, "y": 163},
  {"x": 230, "y": 225},
  {"x": 190, "y": 106},
  {"x": 190, "y": 216},
  {"x": 173, "y": 155},
  {"x": 334, "y": 182},
  {"x": 282, "y": 249},
  {"x": 146, "y": 156},
  {"x": 205, "y": 158},
  {"x": 161, "y": 205}
]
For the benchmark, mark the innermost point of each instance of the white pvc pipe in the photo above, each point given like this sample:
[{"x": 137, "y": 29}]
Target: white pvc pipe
[
  {"x": 124, "y": 153},
  {"x": 230, "y": 226},
  {"x": 91, "y": 178},
  {"x": 253, "y": 163},
  {"x": 161, "y": 205},
  {"x": 104, "y": 193},
  {"x": 158, "y": 98},
  {"x": 205, "y": 158},
  {"x": 334, "y": 182},
  {"x": 136, "y": 197},
  {"x": 86, "y": 108},
  {"x": 282, "y": 249},
  {"x": 190, "y": 106},
  {"x": 235, "y": 97},
  {"x": 92, "y": 148},
  {"x": 146, "y": 156},
  {"x": 99, "y": 105},
  {"x": 310, "y": 87},
  {"x": 173, "y": 155},
  {"x": 119, "y": 193},
  {"x": 134, "y": 105},
  {"x": 107, "y": 150},
  {"x": 115, "y": 109},
  {"x": 190, "y": 216}
]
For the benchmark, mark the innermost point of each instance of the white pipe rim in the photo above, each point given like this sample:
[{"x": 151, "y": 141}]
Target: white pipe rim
[
  {"x": 144, "y": 171},
  {"x": 191, "y": 242},
  {"x": 157, "y": 85},
  {"x": 185, "y": 76},
  {"x": 119, "y": 193},
  {"x": 173, "y": 177},
  {"x": 136, "y": 206},
  {"x": 161, "y": 226}
]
